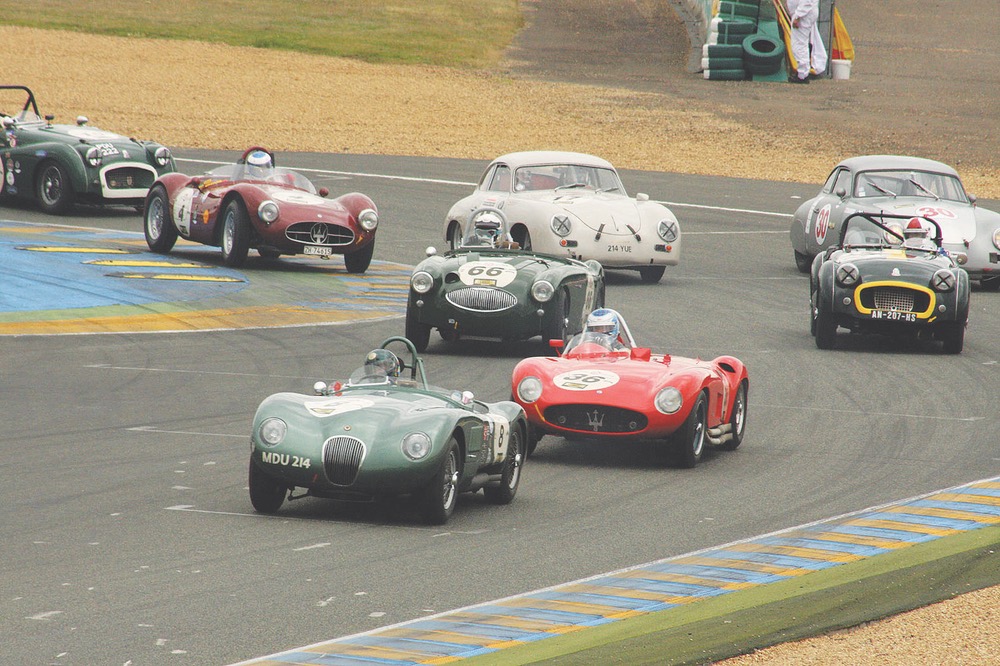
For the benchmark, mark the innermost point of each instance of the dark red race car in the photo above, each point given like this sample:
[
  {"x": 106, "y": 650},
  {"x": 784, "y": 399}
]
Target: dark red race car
[
  {"x": 253, "y": 204},
  {"x": 605, "y": 387}
]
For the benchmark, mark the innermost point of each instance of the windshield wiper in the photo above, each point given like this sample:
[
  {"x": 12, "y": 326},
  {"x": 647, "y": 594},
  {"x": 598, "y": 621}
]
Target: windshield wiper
[
  {"x": 882, "y": 189},
  {"x": 609, "y": 189},
  {"x": 571, "y": 185},
  {"x": 924, "y": 189}
]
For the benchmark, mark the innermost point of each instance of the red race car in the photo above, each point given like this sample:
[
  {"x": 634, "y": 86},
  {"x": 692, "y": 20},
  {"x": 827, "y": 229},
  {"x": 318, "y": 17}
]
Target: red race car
[
  {"x": 253, "y": 204},
  {"x": 603, "y": 386}
]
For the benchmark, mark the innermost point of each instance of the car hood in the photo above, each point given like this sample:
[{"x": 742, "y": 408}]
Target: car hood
[
  {"x": 294, "y": 196},
  {"x": 596, "y": 210},
  {"x": 90, "y": 136},
  {"x": 895, "y": 263},
  {"x": 958, "y": 221}
]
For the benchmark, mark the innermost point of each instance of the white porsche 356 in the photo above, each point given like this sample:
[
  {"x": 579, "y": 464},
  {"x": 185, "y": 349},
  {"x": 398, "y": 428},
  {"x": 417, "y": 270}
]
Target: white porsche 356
[{"x": 574, "y": 205}]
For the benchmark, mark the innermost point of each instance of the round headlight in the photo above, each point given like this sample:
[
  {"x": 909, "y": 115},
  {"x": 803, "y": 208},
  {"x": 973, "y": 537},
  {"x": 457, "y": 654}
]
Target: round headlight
[
  {"x": 667, "y": 230},
  {"x": 542, "y": 291},
  {"x": 996, "y": 238},
  {"x": 529, "y": 389},
  {"x": 848, "y": 275},
  {"x": 162, "y": 156},
  {"x": 421, "y": 282},
  {"x": 94, "y": 156},
  {"x": 893, "y": 239},
  {"x": 272, "y": 431},
  {"x": 943, "y": 280},
  {"x": 668, "y": 400},
  {"x": 267, "y": 211},
  {"x": 368, "y": 219},
  {"x": 416, "y": 445},
  {"x": 561, "y": 225}
]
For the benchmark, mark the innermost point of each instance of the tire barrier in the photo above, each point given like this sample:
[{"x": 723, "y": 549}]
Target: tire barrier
[
  {"x": 722, "y": 50},
  {"x": 722, "y": 63},
  {"x": 763, "y": 54},
  {"x": 725, "y": 74},
  {"x": 742, "y": 8}
]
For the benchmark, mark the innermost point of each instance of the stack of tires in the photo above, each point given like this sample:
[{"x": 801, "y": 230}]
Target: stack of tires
[{"x": 735, "y": 50}]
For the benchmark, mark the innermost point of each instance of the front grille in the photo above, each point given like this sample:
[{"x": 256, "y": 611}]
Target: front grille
[
  {"x": 896, "y": 299},
  {"x": 319, "y": 233},
  {"x": 129, "y": 178},
  {"x": 342, "y": 458},
  {"x": 596, "y": 418},
  {"x": 482, "y": 299}
]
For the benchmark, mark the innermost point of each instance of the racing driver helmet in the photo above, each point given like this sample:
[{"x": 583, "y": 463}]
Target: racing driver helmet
[
  {"x": 604, "y": 322},
  {"x": 915, "y": 233},
  {"x": 488, "y": 228},
  {"x": 382, "y": 361},
  {"x": 259, "y": 165}
]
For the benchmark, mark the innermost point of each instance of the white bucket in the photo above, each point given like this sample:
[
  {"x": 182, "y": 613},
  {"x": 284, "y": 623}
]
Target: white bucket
[{"x": 840, "y": 69}]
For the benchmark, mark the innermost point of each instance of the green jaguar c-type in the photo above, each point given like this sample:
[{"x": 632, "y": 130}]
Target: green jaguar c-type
[{"x": 386, "y": 432}]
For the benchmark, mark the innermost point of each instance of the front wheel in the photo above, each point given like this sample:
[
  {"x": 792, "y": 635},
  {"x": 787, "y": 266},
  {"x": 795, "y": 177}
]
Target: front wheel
[
  {"x": 825, "y": 326},
  {"x": 990, "y": 283},
  {"x": 557, "y": 329},
  {"x": 161, "y": 234},
  {"x": 511, "y": 476},
  {"x": 651, "y": 274},
  {"x": 417, "y": 333},
  {"x": 803, "y": 262},
  {"x": 454, "y": 236},
  {"x": 54, "y": 191},
  {"x": 358, "y": 262},
  {"x": 235, "y": 234},
  {"x": 689, "y": 441},
  {"x": 440, "y": 495},
  {"x": 266, "y": 493},
  {"x": 737, "y": 419},
  {"x": 953, "y": 337},
  {"x": 523, "y": 238}
]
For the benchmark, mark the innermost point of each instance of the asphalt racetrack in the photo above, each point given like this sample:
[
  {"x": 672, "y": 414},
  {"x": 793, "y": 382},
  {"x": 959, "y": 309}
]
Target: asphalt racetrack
[{"x": 128, "y": 535}]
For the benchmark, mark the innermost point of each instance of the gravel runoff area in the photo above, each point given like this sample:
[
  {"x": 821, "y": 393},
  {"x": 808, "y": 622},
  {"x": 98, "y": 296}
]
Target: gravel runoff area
[{"x": 596, "y": 76}]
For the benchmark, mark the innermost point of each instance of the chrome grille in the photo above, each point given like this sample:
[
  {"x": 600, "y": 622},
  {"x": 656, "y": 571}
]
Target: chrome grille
[
  {"x": 129, "y": 178},
  {"x": 893, "y": 298},
  {"x": 482, "y": 299},
  {"x": 342, "y": 458},
  {"x": 319, "y": 233},
  {"x": 596, "y": 418}
]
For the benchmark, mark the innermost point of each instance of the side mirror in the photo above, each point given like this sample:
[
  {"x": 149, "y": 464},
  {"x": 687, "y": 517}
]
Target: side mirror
[
  {"x": 324, "y": 192},
  {"x": 467, "y": 397},
  {"x": 81, "y": 120},
  {"x": 841, "y": 192},
  {"x": 641, "y": 196}
]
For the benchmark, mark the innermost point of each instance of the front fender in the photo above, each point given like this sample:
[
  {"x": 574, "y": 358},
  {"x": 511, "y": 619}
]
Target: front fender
[{"x": 63, "y": 155}]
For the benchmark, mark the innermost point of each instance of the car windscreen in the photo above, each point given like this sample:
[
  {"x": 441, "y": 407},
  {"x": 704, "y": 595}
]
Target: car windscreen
[
  {"x": 275, "y": 176},
  {"x": 566, "y": 176},
  {"x": 909, "y": 183}
]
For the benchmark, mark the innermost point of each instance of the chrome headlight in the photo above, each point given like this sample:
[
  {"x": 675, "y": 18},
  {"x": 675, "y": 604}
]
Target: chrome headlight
[
  {"x": 561, "y": 225},
  {"x": 368, "y": 219},
  {"x": 542, "y": 291},
  {"x": 667, "y": 230},
  {"x": 529, "y": 389},
  {"x": 996, "y": 238},
  {"x": 421, "y": 282},
  {"x": 894, "y": 239},
  {"x": 162, "y": 156},
  {"x": 94, "y": 156},
  {"x": 668, "y": 400},
  {"x": 271, "y": 431},
  {"x": 416, "y": 445},
  {"x": 267, "y": 211},
  {"x": 943, "y": 280},
  {"x": 848, "y": 275}
]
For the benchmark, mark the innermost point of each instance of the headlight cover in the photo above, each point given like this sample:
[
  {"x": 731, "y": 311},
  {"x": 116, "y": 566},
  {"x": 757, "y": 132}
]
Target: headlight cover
[
  {"x": 848, "y": 275},
  {"x": 996, "y": 238},
  {"x": 561, "y": 225},
  {"x": 162, "y": 156},
  {"x": 267, "y": 211},
  {"x": 529, "y": 389},
  {"x": 668, "y": 400},
  {"x": 667, "y": 230},
  {"x": 368, "y": 219},
  {"x": 894, "y": 239},
  {"x": 416, "y": 445},
  {"x": 94, "y": 157},
  {"x": 271, "y": 431},
  {"x": 542, "y": 291},
  {"x": 943, "y": 280},
  {"x": 421, "y": 282}
]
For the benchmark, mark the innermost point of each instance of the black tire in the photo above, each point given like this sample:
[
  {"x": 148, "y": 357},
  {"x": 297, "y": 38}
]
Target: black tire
[
  {"x": 53, "y": 188},
  {"x": 721, "y": 63},
  {"x": 990, "y": 283},
  {"x": 235, "y": 234},
  {"x": 803, "y": 262},
  {"x": 651, "y": 274},
  {"x": 725, "y": 74},
  {"x": 454, "y": 236},
  {"x": 358, "y": 262},
  {"x": 953, "y": 336},
  {"x": 825, "y": 326},
  {"x": 737, "y": 419},
  {"x": 534, "y": 437},
  {"x": 523, "y": 238},
  {"x": 417, "y": 333},
  {"x": 268, "y": 253},
  {"x": 763, "y": 54},
  {"x": 558, "y": 328},
  {"x": 511, "y": 476},
  {"x": 266, "y": 493},
  {"x": 161, "y": 234},
  {"x": 688, "y": 443},
  {"x": 439, "y": 497},
  {"x": 722, "y": 51}
]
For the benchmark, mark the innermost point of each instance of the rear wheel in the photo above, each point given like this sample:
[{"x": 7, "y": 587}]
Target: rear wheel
[
  {"x": 990, "y": 283},
  {"x": 235, "y": 241},
  {"x": 53, "y": 189},
  {"x": 689, "y": 442},
  {"x": 651, "y": 274},
  {"x": 440, "y": 495},
  {"x": 511, "y": 476},
  {"x": 266, "y": 493},
  {"x": 159, "y": 229},
  {"x": 737, "y": 419}
]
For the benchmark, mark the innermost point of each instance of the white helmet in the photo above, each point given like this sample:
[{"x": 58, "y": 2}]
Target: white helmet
[{"x": 259, "y": 165}]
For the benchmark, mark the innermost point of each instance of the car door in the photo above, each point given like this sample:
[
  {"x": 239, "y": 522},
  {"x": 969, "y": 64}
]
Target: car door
[{"x": 827, "y": 213}]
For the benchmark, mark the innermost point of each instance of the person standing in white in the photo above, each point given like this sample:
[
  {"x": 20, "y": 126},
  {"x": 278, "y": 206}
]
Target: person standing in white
[{"x": 805, "y": 33}]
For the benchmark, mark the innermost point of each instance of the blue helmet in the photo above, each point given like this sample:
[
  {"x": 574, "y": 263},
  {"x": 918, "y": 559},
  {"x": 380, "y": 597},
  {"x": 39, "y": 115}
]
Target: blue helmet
[
  {"x": 603, "y": 321},
  {"x": 259, "y": 164}
]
